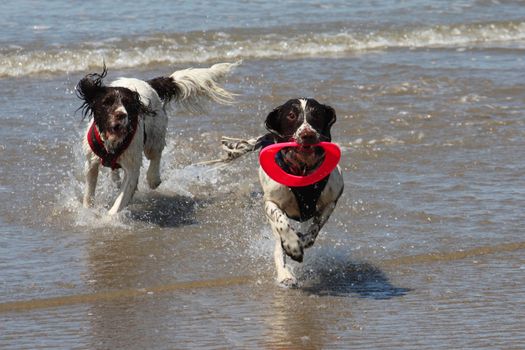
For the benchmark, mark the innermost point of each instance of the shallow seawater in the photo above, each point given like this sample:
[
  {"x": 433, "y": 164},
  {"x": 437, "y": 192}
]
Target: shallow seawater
[{"x": 424, "y": 250}]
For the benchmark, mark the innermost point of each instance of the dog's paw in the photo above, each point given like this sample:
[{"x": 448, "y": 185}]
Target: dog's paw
[
  {"x": 288, "y": 282},
  {"x": 154, "y": 183},
  {"x": 307, "y": 239},
  {"x": 285, "y": 278},
  {"x": 293, "y": 248}
]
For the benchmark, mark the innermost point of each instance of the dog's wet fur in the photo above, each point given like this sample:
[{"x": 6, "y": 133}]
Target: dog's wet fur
[
  {"x": 130, "y": 116},
  {"x": 307, "y": 122}
]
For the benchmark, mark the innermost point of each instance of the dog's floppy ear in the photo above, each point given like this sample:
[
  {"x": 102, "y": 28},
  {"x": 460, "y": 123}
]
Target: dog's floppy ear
[
  {"x": 331, "y": 116},
  {"x": 138, "y": 107},
  {"x": 88, "y": 89},
  {"x": 272, "y": 122},
  {"x": 330, "y": 120}
]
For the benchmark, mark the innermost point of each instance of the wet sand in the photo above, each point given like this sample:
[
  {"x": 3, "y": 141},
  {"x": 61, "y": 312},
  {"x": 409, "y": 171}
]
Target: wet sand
[
  {"x": 457, "y": 299},
  {"x": 425, "y": 249}
]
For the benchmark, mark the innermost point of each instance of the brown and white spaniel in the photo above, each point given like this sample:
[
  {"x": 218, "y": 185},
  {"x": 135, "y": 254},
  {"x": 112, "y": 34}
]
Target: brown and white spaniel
[{"x": 129, "y": 119}]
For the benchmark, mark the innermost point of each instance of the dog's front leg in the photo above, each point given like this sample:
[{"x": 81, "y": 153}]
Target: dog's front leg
[
  {"x": 284, "y": 275},
  {"x": 280, "y": 223},
  {"x": 91, "y": 171},
  {"x": 128, "y": 188},
  {"x": 318, "y": 222}
]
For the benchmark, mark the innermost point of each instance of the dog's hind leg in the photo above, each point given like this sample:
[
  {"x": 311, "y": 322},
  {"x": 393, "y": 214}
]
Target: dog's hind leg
[
  {"x": 91, "y": 170},
  {"x": 153, "y": 173},
  {"x": 155, "y": 141},
  {"x": 153, "y": 153},
  {"x": 290, "y": 241}
]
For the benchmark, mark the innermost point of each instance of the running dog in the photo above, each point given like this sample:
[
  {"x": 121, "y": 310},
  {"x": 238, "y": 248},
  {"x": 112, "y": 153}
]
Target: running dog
[
  {"x": 307, "y": 122},
  {"x": 130, "y": 118}
]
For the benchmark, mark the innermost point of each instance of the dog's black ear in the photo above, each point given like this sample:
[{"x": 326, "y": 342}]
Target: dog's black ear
[
  {"x": 272, "y": 122},
  {"x": 88, "y": 88},
  {"x": 330, "y": 120},
  {"x": 138, "y": 106},
  {"x": 330, "y": 112}
]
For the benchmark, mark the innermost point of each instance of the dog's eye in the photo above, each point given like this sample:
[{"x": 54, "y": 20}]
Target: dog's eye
[
  {"x": 291, "y": 116},
  {"x": 108, "y": 101}
]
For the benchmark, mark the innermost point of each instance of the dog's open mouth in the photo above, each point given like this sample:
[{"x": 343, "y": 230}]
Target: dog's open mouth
[
  {"x": 302, "y": 160},
  {"x": 115, "y": 133}
]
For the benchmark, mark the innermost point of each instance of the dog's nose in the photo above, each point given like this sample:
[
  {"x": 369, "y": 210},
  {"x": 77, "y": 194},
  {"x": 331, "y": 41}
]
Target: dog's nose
[
  {"x": 119, "y": 115},
  {"x": 308, "y": 137},
  {"x": 118, "y": 122}
]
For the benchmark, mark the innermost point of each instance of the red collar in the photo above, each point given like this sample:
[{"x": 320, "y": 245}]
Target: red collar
[{"x": 97, "y": 145}]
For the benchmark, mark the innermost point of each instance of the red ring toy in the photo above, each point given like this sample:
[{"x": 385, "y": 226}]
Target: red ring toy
[{"x": 274, "y": 171}]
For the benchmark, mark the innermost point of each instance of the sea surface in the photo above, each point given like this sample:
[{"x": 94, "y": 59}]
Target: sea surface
[{"x": 425, "y": 250}]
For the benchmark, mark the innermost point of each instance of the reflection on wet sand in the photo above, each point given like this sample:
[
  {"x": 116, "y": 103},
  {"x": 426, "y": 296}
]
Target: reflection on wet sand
[
  {"x": 292, "y": 322},
  {"x": 115, "y": 282},
  {"x": 119, "y": 263},
  {"x": 136, "y": 263},
  {"x": 295, "y": 321}
]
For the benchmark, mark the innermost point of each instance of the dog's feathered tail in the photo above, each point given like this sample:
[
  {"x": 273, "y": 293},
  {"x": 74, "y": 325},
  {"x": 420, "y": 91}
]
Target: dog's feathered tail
[{"x": 193, "y": 87}]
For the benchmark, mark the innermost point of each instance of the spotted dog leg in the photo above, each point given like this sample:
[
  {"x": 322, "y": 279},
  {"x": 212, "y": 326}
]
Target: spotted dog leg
[
  {"x": 290, "y": 241},
  {"x": 284, "y": 276},
  {"x": 318, "y": 222}
]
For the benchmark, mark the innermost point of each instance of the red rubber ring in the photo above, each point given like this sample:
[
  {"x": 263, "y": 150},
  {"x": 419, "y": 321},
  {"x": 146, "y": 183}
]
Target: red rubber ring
[{"x": 274, "y": 171}]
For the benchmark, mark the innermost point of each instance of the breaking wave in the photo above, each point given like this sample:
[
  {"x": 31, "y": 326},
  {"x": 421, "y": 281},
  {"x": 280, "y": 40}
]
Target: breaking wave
[{"x": 283, "y": 43}]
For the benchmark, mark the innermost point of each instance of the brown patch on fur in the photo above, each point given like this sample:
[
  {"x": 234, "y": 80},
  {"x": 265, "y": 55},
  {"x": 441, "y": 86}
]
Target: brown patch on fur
[{"x": 165, "y": 88}]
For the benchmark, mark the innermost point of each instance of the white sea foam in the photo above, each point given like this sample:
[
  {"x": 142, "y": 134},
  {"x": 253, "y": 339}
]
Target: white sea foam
[{"x": 120, "y": 53}]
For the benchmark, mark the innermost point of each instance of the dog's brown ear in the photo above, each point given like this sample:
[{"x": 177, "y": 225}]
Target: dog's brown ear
[
  {"x": 138, "y": 106},
  {"x": 88, "y": 88},
  {"x": 272, "y": 122}
]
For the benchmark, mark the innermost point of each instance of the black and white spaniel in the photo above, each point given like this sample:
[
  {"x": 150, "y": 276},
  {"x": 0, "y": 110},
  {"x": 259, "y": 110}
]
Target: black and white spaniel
[
  {"x": 129, "y": 118},
  {"x": 307, "y": 122}
]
